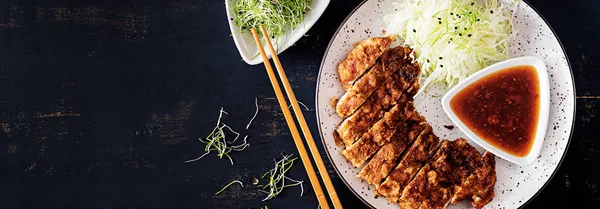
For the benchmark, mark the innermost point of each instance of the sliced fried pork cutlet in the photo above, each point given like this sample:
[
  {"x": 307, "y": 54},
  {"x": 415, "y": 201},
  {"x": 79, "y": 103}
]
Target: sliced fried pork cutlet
[
  {"x": 469, "y": 159},
  {"x": 453, "y": 173},
  {"x": 361, "y": 58},
  {"x": 409, "y": 165},
  {"x": 414, "y": 193},
  {"x": 427, "y": 184},
  {"x": 390, "y": 62},
  {"x": 374, "y": 109},
  {"x": 389, "y": 154},
  {"x": 479, "y": 186},
  {"x": 380, "y": 133}
]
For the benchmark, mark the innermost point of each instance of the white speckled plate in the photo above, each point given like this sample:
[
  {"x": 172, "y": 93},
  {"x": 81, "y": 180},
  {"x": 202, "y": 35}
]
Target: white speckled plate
[{"x": 515, "y": 185}]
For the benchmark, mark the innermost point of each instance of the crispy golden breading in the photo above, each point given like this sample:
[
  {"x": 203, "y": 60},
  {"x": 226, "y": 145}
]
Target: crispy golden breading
[
  {"x": 379, "y": 134},
  {"x": 381, "y": 164},
  {"x": 374, "y": 109},
  {"x": 469, "y": 159},
  {"x": 479, "y": 186},
  {"x": 390, "y": 62},
  {"x": 388, "y": 155},
  {"x": 437, "y": 198},
  {"x": 428, "y": 185},
  {"x": 412, "y": 195},
  {"x": 409, "y": 165},
  {"x": 361, "y": 58},
  {"x": 454, "y": 171}
]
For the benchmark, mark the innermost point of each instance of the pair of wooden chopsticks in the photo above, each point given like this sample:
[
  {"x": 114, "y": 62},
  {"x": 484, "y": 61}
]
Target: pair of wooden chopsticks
[{"x": 292, "y": 125}]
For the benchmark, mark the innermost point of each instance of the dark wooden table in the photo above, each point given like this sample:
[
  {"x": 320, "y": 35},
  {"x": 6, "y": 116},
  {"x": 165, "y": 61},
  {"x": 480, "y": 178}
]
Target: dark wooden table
[{"x": 101, "y": 102}]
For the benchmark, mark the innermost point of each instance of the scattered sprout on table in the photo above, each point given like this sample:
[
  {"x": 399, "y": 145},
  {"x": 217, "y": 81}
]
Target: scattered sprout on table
[
  {"x": 216, "y": 141},
  {"x": 277, "y": 180},
  {"x": 255, "y": 113},
  {"x": 230, "y": 183},
  {"x": 303, "y": 105}
]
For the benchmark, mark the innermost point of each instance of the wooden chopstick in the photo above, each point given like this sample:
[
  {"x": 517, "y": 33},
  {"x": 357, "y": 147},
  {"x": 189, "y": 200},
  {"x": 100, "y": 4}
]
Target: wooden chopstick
[
  {"x": 314, "y": 181},
  {"x": 300, "y": 117}
]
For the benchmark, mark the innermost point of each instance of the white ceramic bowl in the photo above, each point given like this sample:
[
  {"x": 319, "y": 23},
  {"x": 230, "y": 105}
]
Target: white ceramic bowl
[
  {"x": 245, "y": 42},
  {"x": 544, "y": 108}
]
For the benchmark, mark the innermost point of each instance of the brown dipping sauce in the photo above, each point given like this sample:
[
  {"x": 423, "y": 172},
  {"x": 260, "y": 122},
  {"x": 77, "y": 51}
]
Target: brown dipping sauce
[{"x": 502, "y": 108}]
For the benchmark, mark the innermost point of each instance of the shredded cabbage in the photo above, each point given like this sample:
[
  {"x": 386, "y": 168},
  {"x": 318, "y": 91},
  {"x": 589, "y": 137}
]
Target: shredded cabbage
[{"x": 452, "y": 38}]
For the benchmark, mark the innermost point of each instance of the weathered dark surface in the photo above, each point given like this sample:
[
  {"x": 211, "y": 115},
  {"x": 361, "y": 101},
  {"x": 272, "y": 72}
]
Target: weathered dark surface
[{"x": 102, "y": 101}]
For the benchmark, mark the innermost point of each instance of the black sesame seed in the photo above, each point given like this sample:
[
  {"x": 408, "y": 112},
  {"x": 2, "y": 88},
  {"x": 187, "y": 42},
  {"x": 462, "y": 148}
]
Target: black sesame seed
[
  {"x": 469, "y": 35},
  {"x": 451, "y": 13},
  {"x": 439, "y": 18},
  {"x": 440, "y": 57},
  {"x": 441, "y": 65},
  {"x": 472, "y": 3},
  {"x": 455, "y": 28},
  {"x": 477, "y": 19},
  {"x": 491, "y": 11},
  {"x": 460, "y": 34},
  {"x": 440, "y": 22},
  {"x": 427, "y": 60},
  {"x": 414, "y": 31}
]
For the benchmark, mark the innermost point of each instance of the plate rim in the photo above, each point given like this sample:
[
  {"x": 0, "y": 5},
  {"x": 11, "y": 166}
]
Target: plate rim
[{"x": 553, "y": 172}]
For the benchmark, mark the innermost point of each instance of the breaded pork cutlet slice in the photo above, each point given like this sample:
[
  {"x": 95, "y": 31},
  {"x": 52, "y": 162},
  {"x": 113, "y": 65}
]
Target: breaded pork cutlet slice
[
  {"x": 479, "y": 186},
  {"x": 390, "y": 62},
  {"x": 361, "y": 58},
  {"x": 411, "y": 161},
  {"x": 380, "y": 133},
  {"x": 453, "y": 173},
  {"x": 389, "y": 154},
  {"x": 374, "y": 108},
  {"x": 428, "y": 182}
]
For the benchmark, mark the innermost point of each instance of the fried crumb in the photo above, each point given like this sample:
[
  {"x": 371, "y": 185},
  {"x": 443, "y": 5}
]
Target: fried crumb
[
  {"x": 333, "y": 102},
  {"x": 450, "y": 127}
]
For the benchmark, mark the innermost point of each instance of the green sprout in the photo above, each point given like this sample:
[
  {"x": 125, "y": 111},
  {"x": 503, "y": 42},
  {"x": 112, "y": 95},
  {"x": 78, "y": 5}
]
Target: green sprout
[
  {"x": 230, "y": 183},
  {"x": 276, "y": 15},
  {"x": 277, "y": 178},
  {"x": 216, "y": 141}
]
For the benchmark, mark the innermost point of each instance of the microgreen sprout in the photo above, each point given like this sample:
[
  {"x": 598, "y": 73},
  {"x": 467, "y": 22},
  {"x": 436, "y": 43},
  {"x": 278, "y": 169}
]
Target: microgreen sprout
[
  {"x": 277, "y": 180},
  {"x": 216, "y": 141},
  {"x": 255, "y": 113},
  {"x": 303, "y": 105},
  {"x": 276, "y": 15},
  {"x": 230, "y": 183}
]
